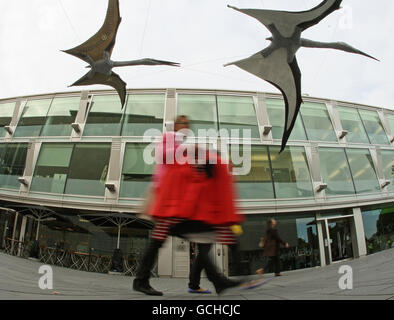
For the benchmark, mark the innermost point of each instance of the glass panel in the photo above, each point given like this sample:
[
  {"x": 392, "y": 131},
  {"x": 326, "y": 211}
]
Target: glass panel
[
  {"x": 33, "y": 118},
  {"x": 351, "y": 122},
  {"x": 200, "y": 109},
  {"x": 317, "y": 122},
  {"x": 136, "y": 174},
  {"x": 258, "y": 183},
  {"x": 104, "y": 117},
  {"x": 374, "y": 127},
  {"x": 388, "y": 167},
  {"x": 379, "y": 228},
  {"x": 6, "y": 112},
  {"x": 298, "y": 230},
  {"x": 390, "y": 119},
  {"x": 335, "y": 171},
  {"x": 363, "y": 170},
  {"x": 143, "y": 112},
  {"x": 238, "y": 113},
  {"x": 276, "y": 113},
  {"x": 52, "y": 168},
  {"x": 60, "y": 117},
  {"x": 12, "y": 164},
  {"x": 291, "y": 172},
  {"x": 88, "y": 169}
]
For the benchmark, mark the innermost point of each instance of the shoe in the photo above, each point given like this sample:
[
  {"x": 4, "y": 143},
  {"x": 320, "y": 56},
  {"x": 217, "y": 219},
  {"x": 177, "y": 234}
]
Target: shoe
[
  {"x": 200, "y": 290},
  {"x": 226, "y": 284},
  {"x": 145, "y": 288},
  {"x": 278, "y": 275},
  {"x": 260, "y": 271}
]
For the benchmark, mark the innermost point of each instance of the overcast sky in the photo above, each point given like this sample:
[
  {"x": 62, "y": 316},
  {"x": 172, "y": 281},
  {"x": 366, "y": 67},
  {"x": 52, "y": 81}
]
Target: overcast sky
[{"x": 202, "y": 35}]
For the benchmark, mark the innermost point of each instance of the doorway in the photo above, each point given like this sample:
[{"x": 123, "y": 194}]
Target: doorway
[{"x": 337, "y": 239}]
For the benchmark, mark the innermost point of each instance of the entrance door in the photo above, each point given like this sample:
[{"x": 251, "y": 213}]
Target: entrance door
[{"x": 337, "y": 239}]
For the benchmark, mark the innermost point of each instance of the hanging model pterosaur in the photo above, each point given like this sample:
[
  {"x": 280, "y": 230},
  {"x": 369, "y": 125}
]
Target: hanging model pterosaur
[
  {"x": 277, "y": 63},
  {"x": 97, "y": 52}
]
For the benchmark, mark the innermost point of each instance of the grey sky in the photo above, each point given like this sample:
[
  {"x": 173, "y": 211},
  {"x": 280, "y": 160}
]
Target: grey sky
[{"x": 202, "y": 35}]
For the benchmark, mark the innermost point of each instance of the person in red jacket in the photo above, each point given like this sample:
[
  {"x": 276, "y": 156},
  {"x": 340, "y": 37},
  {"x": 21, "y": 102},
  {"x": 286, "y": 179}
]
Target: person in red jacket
[{"x": 194, "y": 201}]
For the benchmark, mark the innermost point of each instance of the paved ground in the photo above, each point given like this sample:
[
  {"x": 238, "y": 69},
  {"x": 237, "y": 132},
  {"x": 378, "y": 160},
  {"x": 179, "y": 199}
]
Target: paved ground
[{"x": 373, "y": 279}]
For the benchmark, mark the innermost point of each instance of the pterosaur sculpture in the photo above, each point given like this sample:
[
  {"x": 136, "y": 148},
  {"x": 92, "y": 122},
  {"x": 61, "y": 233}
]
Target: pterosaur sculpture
[
  {"x": 277, "y": 63},
  {"x": 97, "y": 52}
]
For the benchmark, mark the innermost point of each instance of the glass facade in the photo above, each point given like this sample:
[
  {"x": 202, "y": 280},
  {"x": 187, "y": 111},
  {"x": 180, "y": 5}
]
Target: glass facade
[
  {"x": 317, "y": 122},
  {"x": 104, "y": 118},
  {"x": 12, "y": 164},
  {"x": 136, "y": 173},
  {"x": 373, "y": 126},
  {"x": 388, "y": 167},
  {"x": 60, "y": 117},
  {"x": 363, "y": 170},
  {"x": 379, "y": 228},
  {"x": 390, "y": 120},
  {"x": 143, "y": 112},
  {"x": 335, "y": 171},
  {"x": 238, "y": 113},
  {"x": 33, "y": 118},
  {"x": 291, "y": 173},
  {"x": 276, "y": 113},
  {"x": 200, "y": 109},
  {"x": 6, "y": 112},
  {"x": 298, "y": 230},
  {"x": 351, "y": 122}
]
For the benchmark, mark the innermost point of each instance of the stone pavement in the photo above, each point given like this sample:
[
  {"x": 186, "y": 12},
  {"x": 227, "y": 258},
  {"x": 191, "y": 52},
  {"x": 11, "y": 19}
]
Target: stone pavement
[{"x": 373, "y": 278}]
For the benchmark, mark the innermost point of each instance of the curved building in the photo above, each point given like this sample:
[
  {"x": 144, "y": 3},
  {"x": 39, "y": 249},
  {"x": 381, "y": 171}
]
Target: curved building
[{"x": 72, "y": 176}]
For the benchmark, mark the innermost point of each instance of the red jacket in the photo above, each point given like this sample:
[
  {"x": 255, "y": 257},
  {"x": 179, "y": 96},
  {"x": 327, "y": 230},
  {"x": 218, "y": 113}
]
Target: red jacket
[{"x": 182, "y": 192}]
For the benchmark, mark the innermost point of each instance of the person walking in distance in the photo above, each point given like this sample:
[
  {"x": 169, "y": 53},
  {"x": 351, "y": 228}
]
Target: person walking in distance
[{"x": 271, "y": 244}]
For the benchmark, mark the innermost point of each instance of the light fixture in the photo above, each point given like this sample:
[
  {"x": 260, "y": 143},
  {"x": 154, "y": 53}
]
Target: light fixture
[
  {"x": 8, "y": 129},
  {"x": 320, "y": 187},
  {"x": 342, "y": 133},
  {"x": 110, "y": 186},
  {"x": 266, "y": 130},
  {"x": 385, "y": 184},
  {"x": 23, "y": 180},
  {"x": 76, "y": 127}
]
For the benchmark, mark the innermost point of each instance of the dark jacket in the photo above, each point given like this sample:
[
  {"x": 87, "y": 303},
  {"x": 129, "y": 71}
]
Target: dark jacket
[{"x": 272, "y": 242}]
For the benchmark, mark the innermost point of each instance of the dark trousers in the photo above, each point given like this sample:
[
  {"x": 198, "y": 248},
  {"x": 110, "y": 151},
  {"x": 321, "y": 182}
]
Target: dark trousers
[
  {"x": 273, "y": 261},
  {"x": 148, "y": 260},
  {"x": 202, "y": 262}
]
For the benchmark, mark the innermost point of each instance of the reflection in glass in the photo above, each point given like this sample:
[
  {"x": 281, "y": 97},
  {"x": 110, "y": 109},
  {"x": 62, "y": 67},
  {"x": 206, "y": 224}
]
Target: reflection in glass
[
  {"x": 363, "y": 170},
  {"x": 12, "y": 164},
  {"x": 200, "y": 109},
  {"x": 143, "y": 112},
  {"x": 33, "y": 118},
  {"x": 257, "y": 184},
  {"x": 61, "y": 115},
  {"x": 52, "y": 168},
  {"x": 379, "y": 228},
  {"x": 276, "y": 113},
  {"x": 317, "y": 122},
  {"x": 388, "y": 167},
  {"x": 291, "y": 172},
  {"x": 238, "y": 113},
  {"x": 335, "y": 171},
  {"x": 6, "y": 113},
  {"x": 136, "y": 173},
  {"x": 351, "y": 122},
  {"x": 299, "y": 231},
  {"x": 104, "y": 117},
  {"x": 374, "y": 127},
  {"x": 88, "y": 169}
]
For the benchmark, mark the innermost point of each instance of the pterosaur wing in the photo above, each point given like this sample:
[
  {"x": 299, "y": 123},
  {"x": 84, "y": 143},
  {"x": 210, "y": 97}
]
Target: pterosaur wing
[
  {"x": 104, "y": 39},
  {"x": 112, "y": 80},
  {"x": 286, "y": 77},
  {"x": 286, "y": 22}
]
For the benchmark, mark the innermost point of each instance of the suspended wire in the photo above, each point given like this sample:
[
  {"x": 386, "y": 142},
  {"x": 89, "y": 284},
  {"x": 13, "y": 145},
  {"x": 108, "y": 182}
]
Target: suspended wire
[
  {"x": 145, "y": 27},
  {"x": 68, "y": 19}
]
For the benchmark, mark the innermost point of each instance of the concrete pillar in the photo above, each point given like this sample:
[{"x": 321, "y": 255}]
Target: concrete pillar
[
  {"x": 263, "y": 118},
  {"x": 358, "y": 235},
  {"x": 80, "y": 119},
  {"x": 114, "y": 171},
  {"x": 320, "y": 226}
]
